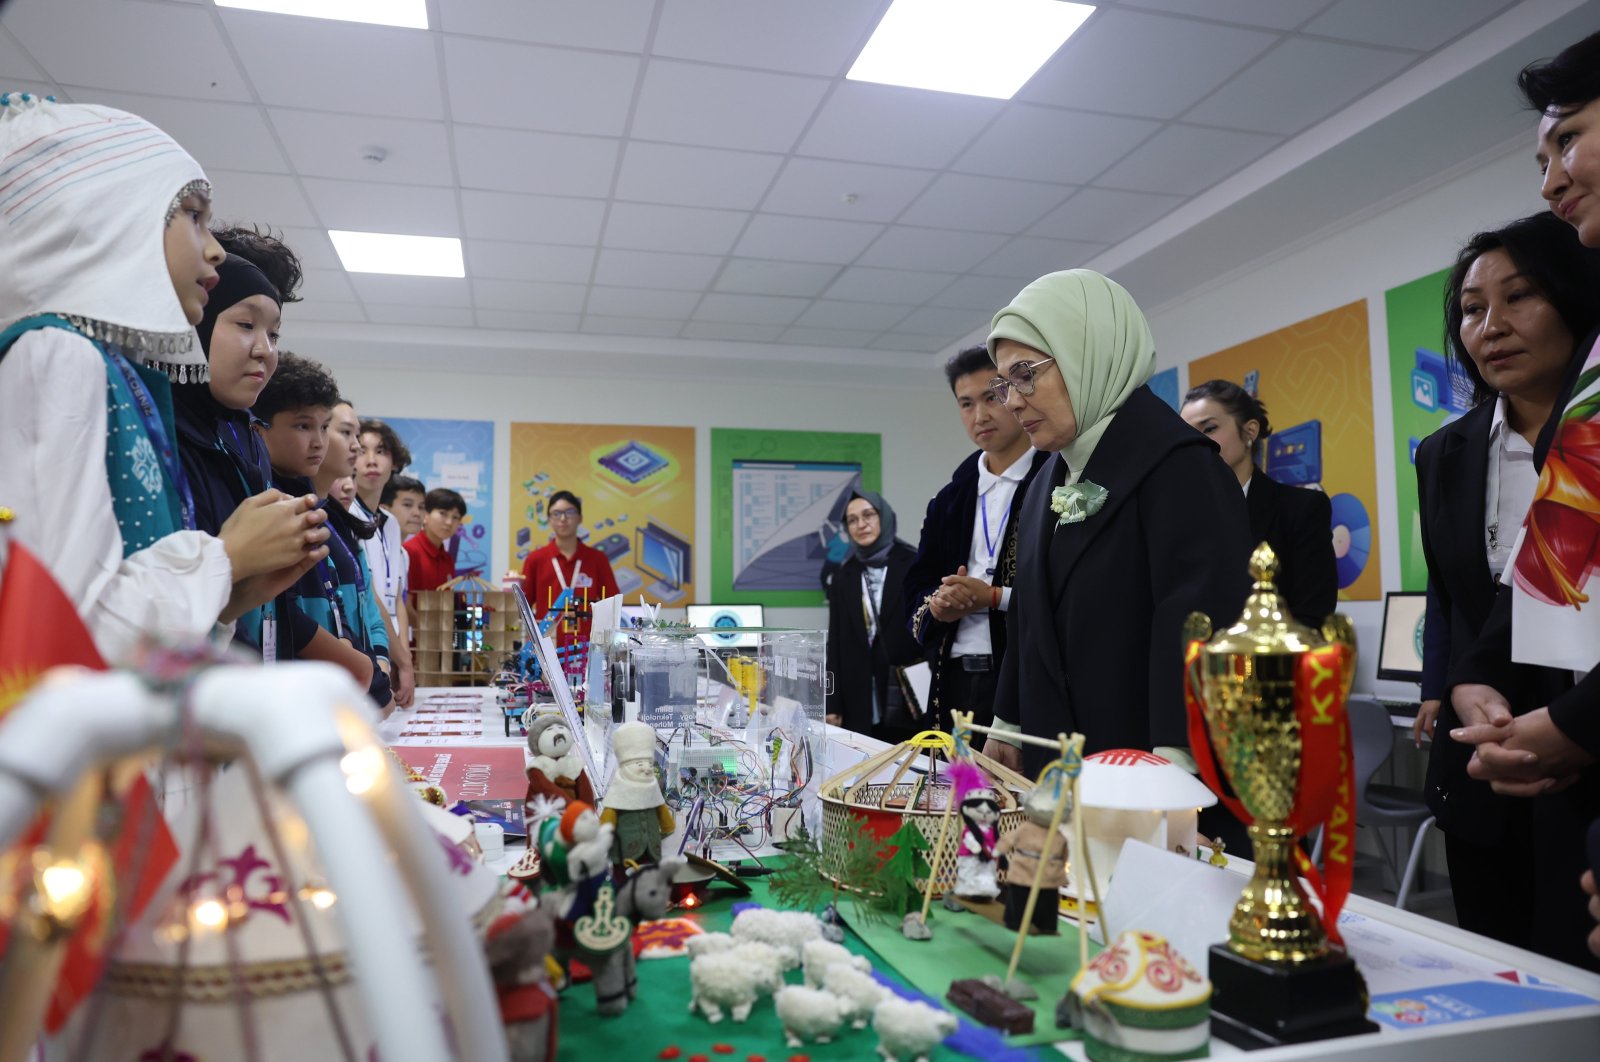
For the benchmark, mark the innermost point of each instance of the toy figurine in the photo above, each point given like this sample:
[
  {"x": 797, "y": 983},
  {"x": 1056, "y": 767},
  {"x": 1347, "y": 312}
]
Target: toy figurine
[
  {"x": 516, "y": 947},
  {"x": 1019, "y": 853},
  {"x": 980, "y": 811},
  {"x": 573, "y": 854},
  {"x": 557, "y": 769},
  {"x": 602, "y": 938},
  {"x": 634, "y": 804}
]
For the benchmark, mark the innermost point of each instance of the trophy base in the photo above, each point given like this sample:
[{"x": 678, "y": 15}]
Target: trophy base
[{"x": 1258, "y": 1004}]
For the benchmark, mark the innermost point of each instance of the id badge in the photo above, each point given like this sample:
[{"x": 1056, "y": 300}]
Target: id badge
[{"x": 269, "y": 640}]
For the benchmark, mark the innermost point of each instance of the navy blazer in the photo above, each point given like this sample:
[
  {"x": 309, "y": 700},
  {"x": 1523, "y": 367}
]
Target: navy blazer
[
  {"x": 1095, "y": 637},
  {"x": 1298, "y": 525}
]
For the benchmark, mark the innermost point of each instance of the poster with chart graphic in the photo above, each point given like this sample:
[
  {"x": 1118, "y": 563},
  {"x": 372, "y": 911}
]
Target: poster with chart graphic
[
  {"x": 458, "y": 454},
  {"x": 780, "y": 499}
]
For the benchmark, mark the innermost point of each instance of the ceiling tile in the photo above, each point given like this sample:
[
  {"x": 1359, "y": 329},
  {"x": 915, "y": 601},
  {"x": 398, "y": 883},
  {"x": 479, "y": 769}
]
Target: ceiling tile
[
  {"x": 692, "y": 176},
  {"x": 332, "y": 145},
  {"x": 1271, "y": 14},
  {"x": 522, "y": 321},
  {"x": 755, "y": 276},
  {"x": 312, "y": 247},
  {"x": 1027, "y": 257},
  {"x": 748, "y": 333},
  {"x": 805, "y": 239},
  {"x": 821, "y": 189},
  {"x": 402, "y": 208},
  {"x": 320, "y": 311},
  {"x": 1093, "y": 71},
  {"x": 324, "y": 65},
  {"x": 858, "y": 316},
  {"x": 221, "y": 136},
  {"x": 643, "y": 302},
  {"x": 323, "y": 285},
  {"x": 827, "y": 337},
  {"x": 498, "y": 259},
  {"x": 631, "y": 326},
  {"x": 260, "y": 198},
  {"x": 525, "y": 86},
  {"x": 750, "y": 309},
  {"x": 1105, "y": 215},
  {"x": 532, "y": 218},
  {"x": 987, "y": 204},
  {"x": 864, "y": 122},
  {"x": 527, "y": 296},
  {"x": 860, "y": 284},
  {"x": 647, "y": 227},
  {"x": 513, "y": 161},
  {"x": 440, "y": 316},
  {"x": 616, "y": 25},
  {"x": 690, "y": 103},
  {"x": 1297, "y": 84},
  {"x": 15, "y": 65},
  {"x": 907, "y": 247},
  {"x": 1068, "y": 147},
  {"x": 381, "y": 289},
  {"x": 978, "y": 293},
  {"x": 656, "y": 269},
  {"x": 1185, "y": 159},
  {"x": 816, "y": 37},
  {"x": 943, "y": 321},
  {"x": 916, "y": 344},
  {"x": 1420, "y": 26},
  {"x": 110, "y": 44}
]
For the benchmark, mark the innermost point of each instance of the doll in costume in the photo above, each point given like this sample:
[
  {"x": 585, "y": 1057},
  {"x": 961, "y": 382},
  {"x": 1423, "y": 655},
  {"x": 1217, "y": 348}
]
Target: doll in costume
[
  {"x": 574, "y": 850},
  {"x": 517, "y": 946},
  {"x": 634, "y": 803},
  {"x": 557, "y": 770},
  {"x": 108, "y": 265},
  {"x": 1019, "y": 853},
  {"x": 980, "y": 812}
]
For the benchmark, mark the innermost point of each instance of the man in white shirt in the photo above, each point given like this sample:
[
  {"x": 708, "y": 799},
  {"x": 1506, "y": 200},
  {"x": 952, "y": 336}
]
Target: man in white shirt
[
  {"x": 382, "y": 451},
  {"x": 960, "y": 585}
]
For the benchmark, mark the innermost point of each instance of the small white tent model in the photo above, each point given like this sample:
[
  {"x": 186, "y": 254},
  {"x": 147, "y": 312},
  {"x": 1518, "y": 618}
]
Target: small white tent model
[{"x": 1129, "y": 793}]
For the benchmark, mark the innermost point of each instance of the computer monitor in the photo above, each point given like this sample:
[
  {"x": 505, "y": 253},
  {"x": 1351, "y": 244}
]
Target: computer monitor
[
  {"x": 664, "y": 554},
  {"x": 715, "y": 616},
  {"x": 1400, "y": 648}
]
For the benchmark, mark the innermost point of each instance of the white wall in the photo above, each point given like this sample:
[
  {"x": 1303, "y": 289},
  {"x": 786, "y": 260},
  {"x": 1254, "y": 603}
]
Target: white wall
[
  {"x": 922, "y": 436},
  {"x": 1357, "y": 261}
]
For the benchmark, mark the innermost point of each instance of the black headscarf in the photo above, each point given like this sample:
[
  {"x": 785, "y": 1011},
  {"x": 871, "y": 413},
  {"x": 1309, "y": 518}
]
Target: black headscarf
[
  {"x": 876, "y": 553},
  {"x": 237, "y": 280}
]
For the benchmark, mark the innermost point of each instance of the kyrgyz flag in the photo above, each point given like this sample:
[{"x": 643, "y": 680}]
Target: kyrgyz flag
[{"x": 40, "y": 629}]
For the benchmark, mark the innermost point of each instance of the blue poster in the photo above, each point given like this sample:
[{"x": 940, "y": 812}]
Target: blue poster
[
  {"x": 1165, "y": 385},
  {"x": 458, "y": 454}
]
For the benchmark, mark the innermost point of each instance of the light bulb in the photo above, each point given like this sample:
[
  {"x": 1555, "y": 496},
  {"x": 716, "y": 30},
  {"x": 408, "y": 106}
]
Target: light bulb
[
  {"x": 209, "y": 913},
  {"x": 362, "y": 768}
]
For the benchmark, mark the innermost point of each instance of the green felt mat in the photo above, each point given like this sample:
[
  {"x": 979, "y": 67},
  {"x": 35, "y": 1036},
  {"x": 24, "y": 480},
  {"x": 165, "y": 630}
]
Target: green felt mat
[{"x": 965, "y": 944}]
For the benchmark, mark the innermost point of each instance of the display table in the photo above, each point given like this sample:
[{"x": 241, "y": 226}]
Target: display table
[{"x": 1414, "y": 965}]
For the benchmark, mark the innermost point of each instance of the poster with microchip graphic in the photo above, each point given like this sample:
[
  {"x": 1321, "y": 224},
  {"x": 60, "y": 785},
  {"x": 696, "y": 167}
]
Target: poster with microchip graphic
[
  {"x": 1315, "y": 378},
  {"x": 458, "y": 454},
  {"x": 637, "y": 486}
]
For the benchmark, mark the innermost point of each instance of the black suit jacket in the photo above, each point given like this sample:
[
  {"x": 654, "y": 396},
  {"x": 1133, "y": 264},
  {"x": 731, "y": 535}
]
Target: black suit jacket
[
  {"x": 1095, "y": 632},
  {"x": 1298, "y": 525},
  {"x": 857, "y": 665},
  {"x": 945, "y": 545}
]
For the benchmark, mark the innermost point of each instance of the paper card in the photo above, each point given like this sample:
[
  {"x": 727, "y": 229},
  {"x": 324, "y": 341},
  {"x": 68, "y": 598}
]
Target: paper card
[
  {"x": 920, "y": 678},
  {"x": 1183, "y": 899}
]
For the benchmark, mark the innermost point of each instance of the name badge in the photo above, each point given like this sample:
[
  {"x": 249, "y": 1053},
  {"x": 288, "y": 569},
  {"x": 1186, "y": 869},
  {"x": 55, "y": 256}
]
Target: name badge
[{"x": 583, "y": 581}]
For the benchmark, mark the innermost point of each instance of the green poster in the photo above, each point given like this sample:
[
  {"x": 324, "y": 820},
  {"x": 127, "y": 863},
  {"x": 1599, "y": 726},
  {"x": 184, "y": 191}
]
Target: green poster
[
  {"x": 1427, "y": 390},
  {"x": 777, "y": 505}
]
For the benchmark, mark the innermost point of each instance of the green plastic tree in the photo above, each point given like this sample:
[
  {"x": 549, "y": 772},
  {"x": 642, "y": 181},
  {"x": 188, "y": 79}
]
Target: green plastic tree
[
  {"x": 897, "y": 879},
  {"x": 812, "y": 874}
]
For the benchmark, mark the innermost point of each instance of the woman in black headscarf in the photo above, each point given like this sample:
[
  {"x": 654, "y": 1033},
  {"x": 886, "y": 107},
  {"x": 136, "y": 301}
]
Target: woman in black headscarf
[{"x": 867, "y": 636}]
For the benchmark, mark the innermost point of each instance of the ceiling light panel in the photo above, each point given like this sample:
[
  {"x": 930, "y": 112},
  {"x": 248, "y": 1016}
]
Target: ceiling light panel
[
  {"x": 972, "y": 47},
  {"x": 407, "y": 14},
  {"x": 411, "y": 256}
]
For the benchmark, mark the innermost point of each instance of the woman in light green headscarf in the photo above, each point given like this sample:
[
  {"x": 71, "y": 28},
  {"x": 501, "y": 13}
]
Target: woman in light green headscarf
[{"x": 1139, "y": 525}]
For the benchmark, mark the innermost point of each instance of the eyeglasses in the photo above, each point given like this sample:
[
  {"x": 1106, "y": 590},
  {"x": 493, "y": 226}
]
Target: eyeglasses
[
  {"x": 563, "y": 514},
  {"x": 1022, "y": 376},
  {"x": 860, "y": 519}
]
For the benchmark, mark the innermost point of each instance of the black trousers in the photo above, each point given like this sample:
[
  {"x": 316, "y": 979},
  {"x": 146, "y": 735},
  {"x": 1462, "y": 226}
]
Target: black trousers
[
  {"x": 967, "y": 691},
  {"x": 1046, "y": 911}
]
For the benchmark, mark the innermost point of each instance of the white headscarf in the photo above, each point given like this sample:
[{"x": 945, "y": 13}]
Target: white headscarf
[
  {"x": 85, "y": 196},
  {"x": 1099, "y": 338}
]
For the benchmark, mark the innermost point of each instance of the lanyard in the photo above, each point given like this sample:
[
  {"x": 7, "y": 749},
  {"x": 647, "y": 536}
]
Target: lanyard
[
  {"x": 577, "y": 570},
  {"x": 158, "y": 436},
  {"x": 992, "y": 545}
]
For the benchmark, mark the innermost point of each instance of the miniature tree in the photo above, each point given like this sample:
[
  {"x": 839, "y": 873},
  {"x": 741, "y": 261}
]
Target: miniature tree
[
  {"x": 897, "y": 878},
  {"x": 852, "y": 863}
]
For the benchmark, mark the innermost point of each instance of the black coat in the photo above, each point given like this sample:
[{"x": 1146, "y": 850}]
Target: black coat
[
  {"x": 1298, "y": 525},
  {"x": 945, "y": 545},
  {"x": 1095, "y": 633},
  {"x": 858, "y": 666}
]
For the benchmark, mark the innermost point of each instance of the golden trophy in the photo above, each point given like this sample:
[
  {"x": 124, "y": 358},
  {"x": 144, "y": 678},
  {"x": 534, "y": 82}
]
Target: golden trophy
[{"x": 1266, "y": 701}]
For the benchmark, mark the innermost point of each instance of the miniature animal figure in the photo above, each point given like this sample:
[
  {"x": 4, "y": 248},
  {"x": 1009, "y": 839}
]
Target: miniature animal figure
[
  {"x": 708, "y": 944},
  {"x": 731, "y": 979},
  {"x": 574, "y": 859},
  {"x": 857, "y": 989},
  {"x": 602, "y": 937},
  {"x": 516, "y": 947},
  {"x": 908, "y": 1030},
  {"x": 788, "y": 931},
  {"x": 557, "y": 770},
  {"x": 808, "y": 1014},
  {"x": 1019, "y": 853},
  {"x": 817, "y": 955},
  {"x": 980, "y": 814},
  {"x": 634, "y": 803}
]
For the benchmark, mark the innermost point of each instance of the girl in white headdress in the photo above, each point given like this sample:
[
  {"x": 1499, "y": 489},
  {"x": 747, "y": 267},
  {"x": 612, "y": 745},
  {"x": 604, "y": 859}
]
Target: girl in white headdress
[{"x": 108, "y": 264}]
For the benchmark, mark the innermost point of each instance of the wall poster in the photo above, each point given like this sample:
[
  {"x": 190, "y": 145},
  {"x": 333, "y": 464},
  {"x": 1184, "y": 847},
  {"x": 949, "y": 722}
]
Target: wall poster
[{"x": 458, "y": 454}]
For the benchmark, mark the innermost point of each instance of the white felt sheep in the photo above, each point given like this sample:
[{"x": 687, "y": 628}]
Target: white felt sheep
[
  {"x": 908, "y": 1030},
  {"x": 732, "y": 980},
  {"x": 808, "y": 1014},
  {"x": 764, "y": 955},
  {"x": 706, "y": 943},
  {"x": 857, "y": 989},
  {"x": 817, "y": 955},
  {"x": 787, "y": 931}
]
